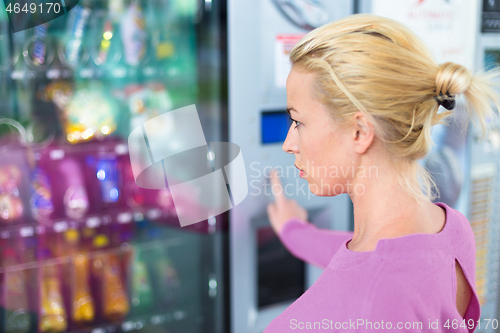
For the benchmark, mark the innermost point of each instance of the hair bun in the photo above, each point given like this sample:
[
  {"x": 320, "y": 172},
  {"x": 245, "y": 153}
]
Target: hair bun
[{"x": 451, "y": 79}]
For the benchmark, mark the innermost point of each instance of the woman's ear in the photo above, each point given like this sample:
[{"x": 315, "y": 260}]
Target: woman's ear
[{"x": 364, "y": 133}]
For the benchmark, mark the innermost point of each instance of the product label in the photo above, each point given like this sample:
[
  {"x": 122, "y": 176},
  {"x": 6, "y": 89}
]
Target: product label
[{"x": 283, "y": 45}]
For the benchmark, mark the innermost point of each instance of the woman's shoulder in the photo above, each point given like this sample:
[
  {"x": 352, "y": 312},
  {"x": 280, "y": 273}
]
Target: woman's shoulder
[
  {"x": 455, "y": 239},
  {"x": 427, "y": 261},
  {"x": 415, "y": 251}
]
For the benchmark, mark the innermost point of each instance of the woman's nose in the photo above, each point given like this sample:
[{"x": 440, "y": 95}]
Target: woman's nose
[{"x": 290, "y": 145}]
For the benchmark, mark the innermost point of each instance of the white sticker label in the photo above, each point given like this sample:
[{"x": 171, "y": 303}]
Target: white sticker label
[
  {"x": 283, "y": 45},
  {"x": 26, "y": 231},
  {"x": 124, "y": 217},
  {"x": 154, "y": 213},
  {"x": 121, "y": 149},
  {"x": 127, "y": 326},
  {"x": 56, "y": 154},
  {"x": 60, "y": 226},
  {"x": 93, "y": 222},
  {"x": 53, "y": 73}
]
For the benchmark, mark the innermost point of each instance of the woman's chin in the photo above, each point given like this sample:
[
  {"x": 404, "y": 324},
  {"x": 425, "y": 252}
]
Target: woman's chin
[{"x": 325, "y": 191}]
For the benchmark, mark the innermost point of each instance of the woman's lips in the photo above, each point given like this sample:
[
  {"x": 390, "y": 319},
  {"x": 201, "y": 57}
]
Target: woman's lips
[{"x": 301, "y": 173}]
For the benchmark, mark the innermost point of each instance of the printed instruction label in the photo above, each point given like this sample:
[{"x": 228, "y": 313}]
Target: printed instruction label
[{"x": 283, "y": 45}]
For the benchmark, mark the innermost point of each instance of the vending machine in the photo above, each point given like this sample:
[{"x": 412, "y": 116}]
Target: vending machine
[{"x": 83, "y": 247}]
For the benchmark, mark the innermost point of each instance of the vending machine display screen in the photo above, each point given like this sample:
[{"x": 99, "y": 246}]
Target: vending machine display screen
[{"x": 274, "y": 126}]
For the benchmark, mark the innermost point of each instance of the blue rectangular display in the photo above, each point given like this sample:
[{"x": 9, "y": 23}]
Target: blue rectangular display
[{"x": 274, "y": 126}]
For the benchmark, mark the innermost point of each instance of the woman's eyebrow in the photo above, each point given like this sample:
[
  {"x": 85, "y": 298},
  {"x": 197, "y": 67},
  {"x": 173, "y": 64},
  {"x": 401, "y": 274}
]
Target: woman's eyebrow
[{"x": 290, "y": 110}]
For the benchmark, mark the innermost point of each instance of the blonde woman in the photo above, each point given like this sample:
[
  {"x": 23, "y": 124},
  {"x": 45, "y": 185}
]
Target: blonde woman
[{"x": 364, "y": 93}]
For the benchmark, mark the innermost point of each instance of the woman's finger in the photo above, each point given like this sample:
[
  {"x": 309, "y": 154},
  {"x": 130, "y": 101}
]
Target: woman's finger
[
  {"x": 270, "y": 208},
  {"x": 277, "y": 188}
]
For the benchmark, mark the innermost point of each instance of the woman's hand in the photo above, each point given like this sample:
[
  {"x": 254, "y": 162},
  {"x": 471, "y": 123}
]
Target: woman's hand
[{"x": 282, "y": 209}]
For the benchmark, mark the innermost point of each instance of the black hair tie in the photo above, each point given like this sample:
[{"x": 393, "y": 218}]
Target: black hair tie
[{"x": 447, "y": 101}]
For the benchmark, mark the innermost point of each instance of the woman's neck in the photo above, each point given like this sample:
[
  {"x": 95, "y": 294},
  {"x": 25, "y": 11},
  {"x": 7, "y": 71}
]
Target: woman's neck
[{"x": 385, "y": 210}]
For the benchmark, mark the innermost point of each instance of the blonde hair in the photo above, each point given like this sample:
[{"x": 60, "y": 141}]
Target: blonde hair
[{"x": 381, "y": 68}]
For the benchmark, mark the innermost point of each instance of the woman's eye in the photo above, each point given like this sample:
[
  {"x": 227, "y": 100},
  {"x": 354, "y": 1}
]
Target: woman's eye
[{"x": 296, "y": 122}]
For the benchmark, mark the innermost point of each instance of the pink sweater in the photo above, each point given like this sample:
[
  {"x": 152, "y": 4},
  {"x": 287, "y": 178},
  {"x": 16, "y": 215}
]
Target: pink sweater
[{"x": 406, "y": 284}]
